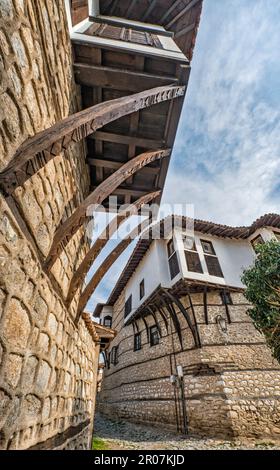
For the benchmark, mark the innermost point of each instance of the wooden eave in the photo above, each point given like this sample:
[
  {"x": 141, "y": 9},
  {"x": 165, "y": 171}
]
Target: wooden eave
[
  {"x": 105, "y": 74},
  {"x": 203, "y": 227}
]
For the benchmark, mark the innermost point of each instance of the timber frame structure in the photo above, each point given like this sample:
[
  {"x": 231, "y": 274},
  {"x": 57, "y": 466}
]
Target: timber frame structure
[{"x": 132, "y": 97}]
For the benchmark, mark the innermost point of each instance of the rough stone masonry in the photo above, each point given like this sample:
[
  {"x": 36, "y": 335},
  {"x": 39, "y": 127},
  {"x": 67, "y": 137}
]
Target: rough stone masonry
[{"x": 48, "y": 365}]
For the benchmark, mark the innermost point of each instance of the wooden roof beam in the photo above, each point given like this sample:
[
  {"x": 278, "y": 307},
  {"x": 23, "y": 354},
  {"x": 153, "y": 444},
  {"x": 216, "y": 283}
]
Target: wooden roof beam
[
  {"x": 108, "y": 77},
  {"x": 67, "y": 230},
  {"x": 149, "y": 11},
  {"x": 127, "y": 140},
  {"x": 113, "y": 165},
  {"x": 44, "y": 146},
  {"x": 95, "y": 250},
  {"x": 182, "y": 13}
]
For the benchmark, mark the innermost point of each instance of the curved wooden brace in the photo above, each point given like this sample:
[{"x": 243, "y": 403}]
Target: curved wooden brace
[
  {"x": 80, "y": 274},
  {"x": 147, "y": 328},
  {"x": 175, "y": 321},
  {"x": 162, "y": 316},
  {"x": 66, "y": 231},
  {"x": 155, "y": 320},
  {"x": 106, "y": 265},
  {"x": 44, "y": 146},
  {"x": 186, "y": 316}
]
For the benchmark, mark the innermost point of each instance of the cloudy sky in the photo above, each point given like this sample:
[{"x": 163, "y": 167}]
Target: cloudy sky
[{"x": 227, "y": 152}]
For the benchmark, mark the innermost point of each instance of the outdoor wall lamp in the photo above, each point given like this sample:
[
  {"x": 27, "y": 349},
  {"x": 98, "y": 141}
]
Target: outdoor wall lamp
[{"x": 222, "y": 323}]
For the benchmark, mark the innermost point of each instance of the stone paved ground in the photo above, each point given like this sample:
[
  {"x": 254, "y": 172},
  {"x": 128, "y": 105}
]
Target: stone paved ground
[{"x": 124, "y": 435}]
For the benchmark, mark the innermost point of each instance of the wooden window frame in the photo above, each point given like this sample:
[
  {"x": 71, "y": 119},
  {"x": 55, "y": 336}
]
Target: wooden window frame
[
  {"x": 142, "y": 289},
  {"x": 137, "y": 342},
  {"x": 217, "y": 272},
  {"x": 173, "y": 263},
  {"x": 226, "y": 298},
  {"x": 128, "y": 306},
  {"x": 114, "y": 355},
  {"x": 107, "y": 318},
  {"x": 152, "y": 340},
  {"x": 193, "y": 252}
]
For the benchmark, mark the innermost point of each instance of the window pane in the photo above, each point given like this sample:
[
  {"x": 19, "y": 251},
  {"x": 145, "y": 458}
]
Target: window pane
[
  {"x": 128, "y": 306},
  {"x": 213, "y": 266},
  {"x": 154, "y": 336},
  {"x": 137, "y": 342},
  {"x": 193, "y": 262},
  {"x": 208, "y": 247},
  {"x": 173, "y": 266},
  {"x": 170, "y": 248},
  {"x": 189, "y": 243},
  {"x": 142, "y": 289}
]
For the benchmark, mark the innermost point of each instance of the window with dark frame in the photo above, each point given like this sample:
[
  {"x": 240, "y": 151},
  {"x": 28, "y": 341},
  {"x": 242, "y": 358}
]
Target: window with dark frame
[
  {"x": 226, "y": 298},
  {"x": 257, "y": 241},
  {"x": 154, "y": 335},
  {"x": 122, "y": 33},
  {"x": 107, "y": 321},
  {"x": 172, "y": 260},
  {"x": 212, "y": 262},
  {"x": 137, "y": 342},
  {"x": 128, "y": 306},
  {"x": 142, "y": 289},
  {"x": 115, "y": 355},
  {"x": 191, "y": 255}
]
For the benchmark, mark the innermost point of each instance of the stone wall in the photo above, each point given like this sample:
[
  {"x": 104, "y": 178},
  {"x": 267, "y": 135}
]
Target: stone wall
[
  {"x": 231, "y": 383},
  {"x": 48, "y": 365}
]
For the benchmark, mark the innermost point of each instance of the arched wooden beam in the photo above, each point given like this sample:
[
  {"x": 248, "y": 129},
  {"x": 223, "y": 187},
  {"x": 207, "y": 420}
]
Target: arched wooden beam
[
  {"x": 44, "y": 146},
  {"x": 147, "y": 328},
  {"x": 95, "y": 250},
  {"x": 175, "y": 320},
  {"x": 186, "y": 316},
  {"x": 66, "y": 231},
  {"x": 155, "y": 320},
  {"x": 106, "y": 265},
  {"x": 162, "y": 316}
]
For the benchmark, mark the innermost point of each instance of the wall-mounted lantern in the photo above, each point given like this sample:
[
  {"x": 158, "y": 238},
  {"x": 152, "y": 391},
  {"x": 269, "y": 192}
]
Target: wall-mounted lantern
[{"x": 222, "y": 323}]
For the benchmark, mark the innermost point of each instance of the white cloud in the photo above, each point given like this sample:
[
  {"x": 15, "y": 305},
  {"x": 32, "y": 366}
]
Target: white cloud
[{"x": 226, "y": 159}]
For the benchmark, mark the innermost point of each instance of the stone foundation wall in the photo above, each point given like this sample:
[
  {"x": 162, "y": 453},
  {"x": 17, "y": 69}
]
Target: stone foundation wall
[
  {"x": 48, "y": 365},
  {"x": 231, "y": 383}
]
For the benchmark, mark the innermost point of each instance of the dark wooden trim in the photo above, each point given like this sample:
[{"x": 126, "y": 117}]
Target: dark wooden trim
[
  {"x": 155, "y": 320},
  {"x": 80, "y": 274},
  {"x": 44, "y": 146},
  {"x": 127, "y": 140},
  {"x": 106, "y": 265},
  {"x": 67, "y": 230},
  {"x": 59, "y": 439},
  {"x": 119, "y": 79},
  {"x": 136, "y": 27}
]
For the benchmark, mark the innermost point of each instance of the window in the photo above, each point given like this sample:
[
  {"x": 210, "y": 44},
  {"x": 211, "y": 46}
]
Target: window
[
  {"x": 277, "y": 235},
  {"x": 142, "y": 289},
  {"x": 172, "y": 260},
  {"x": 191, "y": 255},
  {"x": 226, "y": 298},
  {"x": 137, "y": 342},
  {"x": 115, "y": 355},
  {"x": 154, "y": 335},
  {"x": 107, "y": 321},
  {"x": 121, "y": 33},
  {"x": 213, "y": 265},
  {"x": 257, "y": 241},
  {"x": 128, "y": 306}
]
